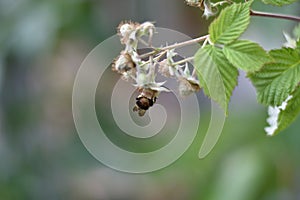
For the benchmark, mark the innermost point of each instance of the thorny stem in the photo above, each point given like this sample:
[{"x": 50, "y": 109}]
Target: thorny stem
[
  {"x": 274, "y": 15},
  {"x": 205, "y": 37},
  {"x": 205, "y": 42},
  {"x": 220, "y": 3},
  {"x": 162, "y": 53},
  {"x": 176, "y": 45},
  {"x": 157, "y": 58},
  {"x": 183, "y": 61}
]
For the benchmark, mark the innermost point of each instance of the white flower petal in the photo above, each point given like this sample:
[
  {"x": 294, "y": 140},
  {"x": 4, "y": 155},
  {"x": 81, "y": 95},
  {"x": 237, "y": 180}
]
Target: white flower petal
[
  {"x": 125, "y": 29},
  {"x": 271, "y": 130},
  {"x": 273, "y": 110},
  {"x": 290, "y": 42},
  {"x": 284, "y": 104},
  {"x": 272, "y": 120},
  {"x": 274, "y": 115}
]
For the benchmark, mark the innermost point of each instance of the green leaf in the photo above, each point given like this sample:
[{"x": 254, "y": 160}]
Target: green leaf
[
  {"x": 217, "y": 76},
  {"x": 298, "y": 46},
  {"x": 279, "y": 2},
  {"x": 275, "y": 81},
  {"x": 287, "y": 116},
  {"x": 231, "y": 23},
  {"x": 246, "y": 55}
]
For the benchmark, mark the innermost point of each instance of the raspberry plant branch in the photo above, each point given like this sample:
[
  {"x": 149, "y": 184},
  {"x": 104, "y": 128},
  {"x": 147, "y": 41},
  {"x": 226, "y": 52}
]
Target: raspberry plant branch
[
  {"x": 205, "y": 37},
  {"x": 183, "y": 61},
  {"x": 222, "y": 54},
  {"x": 274, "y": 15},
  {"x": 176, "y": 45}
]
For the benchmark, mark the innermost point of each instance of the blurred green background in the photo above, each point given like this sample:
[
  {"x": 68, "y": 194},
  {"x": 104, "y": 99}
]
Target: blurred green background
[{"x": 42, "y": 44}]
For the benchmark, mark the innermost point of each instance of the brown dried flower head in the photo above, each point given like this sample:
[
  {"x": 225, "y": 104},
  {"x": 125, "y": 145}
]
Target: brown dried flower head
[
  {"x": 123, "y": 63},
  {"x": 196, "y": 3},
  {"x": 188, "y": 86},
  {"x": 164, "y": 68},
  {"x": 125, "y": 29}
]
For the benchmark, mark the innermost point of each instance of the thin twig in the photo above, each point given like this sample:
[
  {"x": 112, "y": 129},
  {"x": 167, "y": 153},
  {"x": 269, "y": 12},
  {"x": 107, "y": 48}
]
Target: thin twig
[
  {"x": 183, "y": 61},
  {"x": 156, "y": 59},
  {"x": 274, "y": 15},
  {"x": 176, "y": 45},
  {"x": 162, "y": 53}
]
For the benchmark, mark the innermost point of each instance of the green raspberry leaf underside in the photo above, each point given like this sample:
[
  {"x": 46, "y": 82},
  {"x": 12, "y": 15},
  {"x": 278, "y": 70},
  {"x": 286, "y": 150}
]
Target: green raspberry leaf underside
[
  {"x": 279, "y": 2},
  {"x": 217, "y": 76},
  {"x": 276, "y": 80},
  {"x": 246, "y": 55},
  {"x": 288, "y": 116},
  {"x": 230, "y": 24}
]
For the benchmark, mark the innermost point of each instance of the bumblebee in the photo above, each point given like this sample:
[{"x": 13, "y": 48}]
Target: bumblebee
[{"x": 144, "y": 101}]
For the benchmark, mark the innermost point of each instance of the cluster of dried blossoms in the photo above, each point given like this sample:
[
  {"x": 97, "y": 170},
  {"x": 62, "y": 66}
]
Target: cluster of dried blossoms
[
  {"x": 209, "y": 8},
  {"x": 142, "y": 70}
]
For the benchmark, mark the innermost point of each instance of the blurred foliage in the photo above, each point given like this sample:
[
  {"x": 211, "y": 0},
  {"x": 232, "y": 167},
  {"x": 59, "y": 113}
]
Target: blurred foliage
[{"x": 42, "y": 44}]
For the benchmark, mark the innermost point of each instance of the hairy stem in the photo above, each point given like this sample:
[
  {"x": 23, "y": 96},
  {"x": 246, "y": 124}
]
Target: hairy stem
[
  {"x": 176, "y": 45},
  {"x": 183, "y": 61},
  {"x": 274, "y": 15}
]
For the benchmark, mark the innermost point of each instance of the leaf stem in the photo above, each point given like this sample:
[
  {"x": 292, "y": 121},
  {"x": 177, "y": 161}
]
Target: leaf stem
[
  {"x": 176, "y": 45},
  {"x": 274, "y": 15}
]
